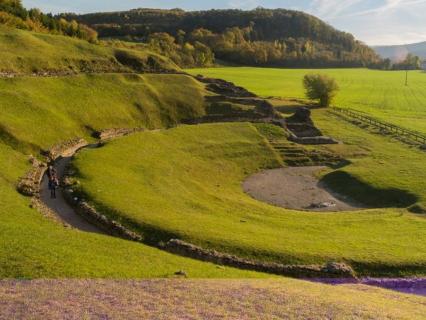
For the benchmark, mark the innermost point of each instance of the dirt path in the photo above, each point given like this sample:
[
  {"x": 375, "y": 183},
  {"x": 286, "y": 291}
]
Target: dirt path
[
  {"x": 64, "y": 211},
  {"x": 295, "y": 188}
]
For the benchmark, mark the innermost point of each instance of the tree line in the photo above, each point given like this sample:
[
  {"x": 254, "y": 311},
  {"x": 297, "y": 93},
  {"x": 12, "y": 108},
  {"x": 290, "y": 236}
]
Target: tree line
[
  {"x": 261, "y": 37},
  {"x": 411, "y": 62},
  {"x": 13, "y": 13}
]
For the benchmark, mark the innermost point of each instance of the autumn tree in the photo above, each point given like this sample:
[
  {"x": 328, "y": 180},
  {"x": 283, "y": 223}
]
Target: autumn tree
[{"x": 320, "y": 87}]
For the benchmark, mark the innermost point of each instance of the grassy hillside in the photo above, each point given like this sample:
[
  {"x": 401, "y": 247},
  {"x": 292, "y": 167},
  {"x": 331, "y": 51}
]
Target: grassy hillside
[
  {"x": 186, "y": 183},
  {"x": 204, "y": 299},
  {"x": 73, "y": 106},
  {"x": 29, "y": 52},
  {"x": 39, "y": 112},
  {"x": 381, "y": 93}
]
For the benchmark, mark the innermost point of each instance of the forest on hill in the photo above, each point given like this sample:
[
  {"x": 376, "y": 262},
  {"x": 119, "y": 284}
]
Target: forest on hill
[
  {"x": 260, "y": 37},
  {"x": 14, "y": 14}
]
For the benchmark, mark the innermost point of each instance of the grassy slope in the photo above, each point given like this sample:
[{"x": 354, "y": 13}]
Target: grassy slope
[
  {"x": 37, "y": 113},
  {"x": 204, "y": 299},
  {"x": 25, "y": 52},
  {"x": 65, "y": 107},
  {"x": 187, "y": 183},
  {"x": 380, "y": 93}
]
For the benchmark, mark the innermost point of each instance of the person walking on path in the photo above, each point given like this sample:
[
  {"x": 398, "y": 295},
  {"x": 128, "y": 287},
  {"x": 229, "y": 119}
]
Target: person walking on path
[
  {"x": 53, "y": 181},
  {"x": 53, "y": 184},
  {"x": 51, "y": 172}
]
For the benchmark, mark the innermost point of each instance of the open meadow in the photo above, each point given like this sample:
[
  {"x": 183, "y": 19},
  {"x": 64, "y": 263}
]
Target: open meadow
[{"x": 382, "y": 94}]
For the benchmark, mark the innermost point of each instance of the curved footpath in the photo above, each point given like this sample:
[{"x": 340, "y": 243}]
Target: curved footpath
[
  {"x": 63, "y": 210},
  {"x": 69, "y": 216}
]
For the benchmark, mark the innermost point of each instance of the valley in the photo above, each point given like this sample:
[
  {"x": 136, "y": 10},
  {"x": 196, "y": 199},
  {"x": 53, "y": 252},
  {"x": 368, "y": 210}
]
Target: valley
[{"x": 221, "y": 191}]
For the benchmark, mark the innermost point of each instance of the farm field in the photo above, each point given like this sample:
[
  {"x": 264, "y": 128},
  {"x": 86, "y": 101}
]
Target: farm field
[
  {"x": 382, "y": 94},
  {"x": 186, "y": 183}
]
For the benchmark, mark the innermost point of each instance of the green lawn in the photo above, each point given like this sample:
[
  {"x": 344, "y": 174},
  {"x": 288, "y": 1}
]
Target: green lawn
[
  {"x": 382, "y": 94},
  {"x": 186, "y": 183}
]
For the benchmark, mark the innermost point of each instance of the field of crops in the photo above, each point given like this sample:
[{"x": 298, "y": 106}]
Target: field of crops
[{"x": 382, "y": 94}]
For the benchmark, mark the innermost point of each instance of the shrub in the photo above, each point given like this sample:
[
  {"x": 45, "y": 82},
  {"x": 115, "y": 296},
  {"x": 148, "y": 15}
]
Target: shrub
[{"x": 320, "y": 87}]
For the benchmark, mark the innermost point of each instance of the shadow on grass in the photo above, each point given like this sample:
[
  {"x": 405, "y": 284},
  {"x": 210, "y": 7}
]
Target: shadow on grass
[
  {"x": 363, "y": 193},
  {"x": 9, "y": 139},
  {"x": 372, "y": 269}
]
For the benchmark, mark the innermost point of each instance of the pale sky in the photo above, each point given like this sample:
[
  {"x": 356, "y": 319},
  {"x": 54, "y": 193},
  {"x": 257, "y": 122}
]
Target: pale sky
[{"x": 375, "y": 22}]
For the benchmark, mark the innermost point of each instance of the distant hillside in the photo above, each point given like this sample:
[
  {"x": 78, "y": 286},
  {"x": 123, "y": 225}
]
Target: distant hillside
[
  {"x": 23, "y": 52},
  {"x": 260, "y": 37},
  {"x": 398, "y": 53}
]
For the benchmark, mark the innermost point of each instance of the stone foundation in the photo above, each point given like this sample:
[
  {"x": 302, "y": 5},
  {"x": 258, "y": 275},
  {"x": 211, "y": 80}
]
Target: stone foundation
[
  {"x": 330, "y": 270},
  {"x": 109, "y": 134}
]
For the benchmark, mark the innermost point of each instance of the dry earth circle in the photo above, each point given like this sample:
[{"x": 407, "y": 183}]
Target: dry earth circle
[{"x": 296, "y": 188}]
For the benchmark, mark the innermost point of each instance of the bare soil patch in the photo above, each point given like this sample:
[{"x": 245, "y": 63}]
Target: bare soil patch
[{"x": 296, "y": 188}]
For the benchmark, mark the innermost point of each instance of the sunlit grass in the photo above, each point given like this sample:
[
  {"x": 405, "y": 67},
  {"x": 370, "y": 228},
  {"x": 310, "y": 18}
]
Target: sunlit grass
[
  {"x": 383, "y": 94},
  {"x": 186, "y": 183}
]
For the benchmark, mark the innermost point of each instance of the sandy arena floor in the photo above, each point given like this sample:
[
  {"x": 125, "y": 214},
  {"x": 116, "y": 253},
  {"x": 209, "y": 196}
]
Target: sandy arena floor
[{"x": 296, "y": 188}]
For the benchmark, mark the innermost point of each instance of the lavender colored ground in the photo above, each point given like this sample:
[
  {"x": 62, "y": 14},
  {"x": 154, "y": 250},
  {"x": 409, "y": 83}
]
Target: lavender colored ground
[
  {"x": 415, "y": 286},
  {"x": 202, "y": 299}
]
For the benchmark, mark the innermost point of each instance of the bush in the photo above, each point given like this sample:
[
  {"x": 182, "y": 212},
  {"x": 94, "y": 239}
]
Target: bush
[{"x": 320, "y": 87}]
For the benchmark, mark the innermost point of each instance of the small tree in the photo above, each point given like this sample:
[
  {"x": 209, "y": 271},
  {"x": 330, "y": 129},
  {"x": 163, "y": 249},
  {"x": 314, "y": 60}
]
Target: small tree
[{"x": 320, "y": 87}]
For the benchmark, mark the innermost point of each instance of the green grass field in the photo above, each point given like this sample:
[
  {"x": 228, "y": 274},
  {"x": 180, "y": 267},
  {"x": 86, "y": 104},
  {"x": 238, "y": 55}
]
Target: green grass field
[
  {"x": 186, "y": 183},
  {"x": 382, "y": 94}
]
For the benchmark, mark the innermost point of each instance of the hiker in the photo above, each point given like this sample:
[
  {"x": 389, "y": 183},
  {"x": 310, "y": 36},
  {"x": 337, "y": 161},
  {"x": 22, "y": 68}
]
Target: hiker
[
  {"x": 53, "y": 184},
  {"x": 51, "y": 172}
]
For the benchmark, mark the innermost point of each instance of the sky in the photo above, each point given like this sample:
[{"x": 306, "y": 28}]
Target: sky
[{"x": 375, "y": 22}]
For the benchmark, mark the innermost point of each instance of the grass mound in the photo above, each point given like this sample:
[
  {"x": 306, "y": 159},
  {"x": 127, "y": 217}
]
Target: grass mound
[
  {"x": 29, "y": 52},
  {"x": 186, "y": 183},
  {"x": 382, "y": 94}
]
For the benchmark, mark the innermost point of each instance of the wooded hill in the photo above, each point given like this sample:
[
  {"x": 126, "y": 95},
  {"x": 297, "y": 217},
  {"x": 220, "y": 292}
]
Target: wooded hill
[
  {"x": 13, "y": 14},
  {"x": 261, "y": 37}
]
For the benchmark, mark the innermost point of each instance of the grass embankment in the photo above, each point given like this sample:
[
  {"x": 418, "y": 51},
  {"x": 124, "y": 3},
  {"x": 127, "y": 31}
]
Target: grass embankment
[
  {"x": 382, "y": 94},
  {"x": 30, "y": 52},
  {"x": 39, "y": 112},
  {"x": 186, "y": 183},
  {"x": 204, "y": 299}
]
